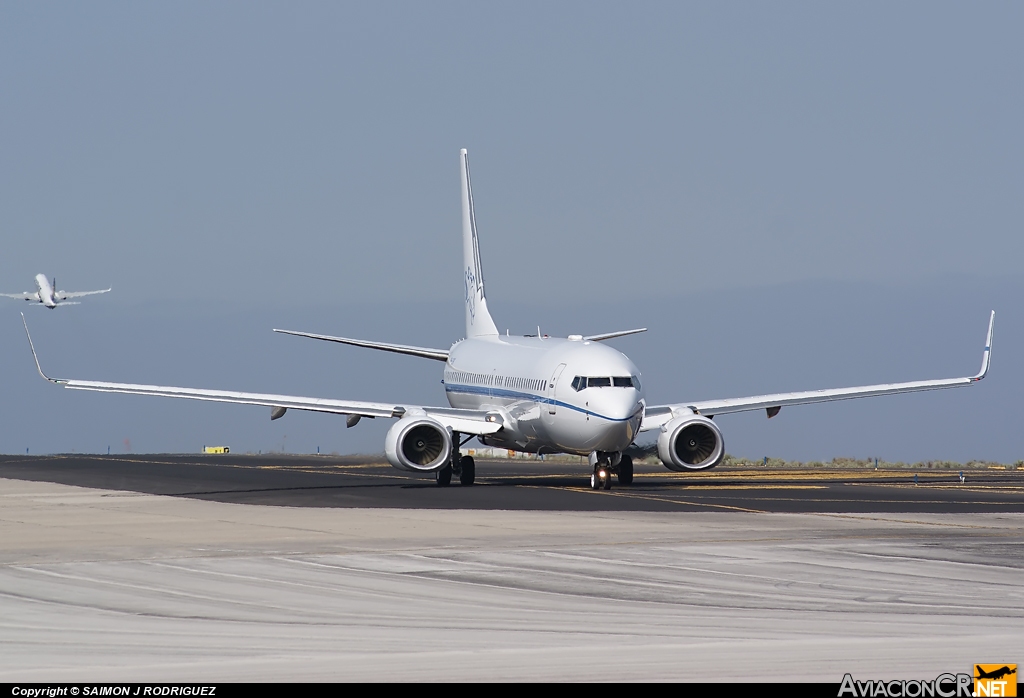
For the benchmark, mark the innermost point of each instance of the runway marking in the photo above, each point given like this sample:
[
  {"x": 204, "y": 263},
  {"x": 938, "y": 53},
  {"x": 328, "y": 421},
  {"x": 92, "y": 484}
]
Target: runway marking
[
  {"x": 648, "y": 497},
  {"x": 833, "y": 500},
  {"x": 876, "y": 516},
  {"x": 688, "y": 488},
  {"x": 950, "y": 486}
]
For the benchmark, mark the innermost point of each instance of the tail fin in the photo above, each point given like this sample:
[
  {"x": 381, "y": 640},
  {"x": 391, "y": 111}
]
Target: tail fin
[{"x": 478, "y": 320}]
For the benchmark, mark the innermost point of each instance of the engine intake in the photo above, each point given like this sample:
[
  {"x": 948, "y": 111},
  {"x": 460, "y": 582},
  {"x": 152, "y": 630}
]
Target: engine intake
[
  {"x": 418, "y": 444},
  {"x": 691, "y": 442}
]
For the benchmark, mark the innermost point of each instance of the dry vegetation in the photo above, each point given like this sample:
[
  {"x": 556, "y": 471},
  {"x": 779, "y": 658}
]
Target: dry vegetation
[{"x": 649, "y": 454}]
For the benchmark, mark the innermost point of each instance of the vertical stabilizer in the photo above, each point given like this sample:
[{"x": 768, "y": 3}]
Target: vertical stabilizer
[{"x": 478, "y": 320}]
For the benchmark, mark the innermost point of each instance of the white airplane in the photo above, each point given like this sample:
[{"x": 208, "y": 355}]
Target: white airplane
[
  {"x": 46, "y": 294},
  {"x": 534, "y": 393}
]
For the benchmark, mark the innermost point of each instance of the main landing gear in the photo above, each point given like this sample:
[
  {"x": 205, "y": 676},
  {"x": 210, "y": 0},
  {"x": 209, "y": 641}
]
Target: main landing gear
[
  {"x": 625, "y": 470},
  {"x": 462, "y": 467},
  {"x": 467, "y": 470}
]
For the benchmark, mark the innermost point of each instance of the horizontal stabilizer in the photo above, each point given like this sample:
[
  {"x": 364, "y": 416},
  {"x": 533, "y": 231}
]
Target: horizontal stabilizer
[
  {"x": 612, "y": 335},
  {"x": 423, "y": 352}
]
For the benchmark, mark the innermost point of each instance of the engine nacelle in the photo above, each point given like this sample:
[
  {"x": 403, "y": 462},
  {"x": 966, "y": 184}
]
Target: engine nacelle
[
  {"x": 691, "y": 442},
  {"x": 418, "y": 444}
]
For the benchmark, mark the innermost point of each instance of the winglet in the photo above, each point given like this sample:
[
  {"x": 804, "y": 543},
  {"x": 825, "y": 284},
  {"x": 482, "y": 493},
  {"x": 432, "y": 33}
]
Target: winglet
[
  {"x": 986, "y": 358},
  {"x": 33, "y": 348}
]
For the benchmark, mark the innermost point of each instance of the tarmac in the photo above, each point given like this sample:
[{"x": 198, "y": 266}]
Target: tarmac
[
  {"x": 361, "y": 481},
  {"x": 232, "y": 568}
]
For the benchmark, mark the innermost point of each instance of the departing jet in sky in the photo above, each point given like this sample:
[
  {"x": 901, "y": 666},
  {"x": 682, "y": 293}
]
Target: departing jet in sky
[
  {"x": 533, "y": 393},
  {"x": 46, "y": 294}
]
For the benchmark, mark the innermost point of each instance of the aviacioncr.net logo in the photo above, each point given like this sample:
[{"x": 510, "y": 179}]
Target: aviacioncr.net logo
[{"x": 942, "y": 686}]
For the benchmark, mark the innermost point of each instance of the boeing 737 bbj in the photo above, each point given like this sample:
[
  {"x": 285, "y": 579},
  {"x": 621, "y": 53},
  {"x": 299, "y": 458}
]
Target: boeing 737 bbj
[
  {"x": 46, "y": 294},
  {"x": 533, "y": 394}
]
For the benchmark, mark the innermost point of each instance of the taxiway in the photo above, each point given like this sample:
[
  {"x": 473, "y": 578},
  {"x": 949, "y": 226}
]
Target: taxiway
[{"x": 327, "y": 579}]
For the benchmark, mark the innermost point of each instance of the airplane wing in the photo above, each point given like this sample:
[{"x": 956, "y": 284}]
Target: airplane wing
[
  {"x": 26, "y": 296},
  {"x": 423, "y": 352},
  {"x": 63, "y": 295},
  {"x": 465, "y": 421},
  {"x": 658, "y": 415}
]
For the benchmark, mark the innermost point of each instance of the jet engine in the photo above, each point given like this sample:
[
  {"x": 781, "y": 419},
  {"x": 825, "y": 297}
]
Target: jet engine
[
  {"x": 691, "y": 442},
  {"x": 418, "y": 444}
]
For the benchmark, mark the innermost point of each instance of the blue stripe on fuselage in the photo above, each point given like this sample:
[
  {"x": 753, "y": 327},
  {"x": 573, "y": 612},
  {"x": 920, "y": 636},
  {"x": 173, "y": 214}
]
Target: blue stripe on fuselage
[{"x": 512, "y": 394}]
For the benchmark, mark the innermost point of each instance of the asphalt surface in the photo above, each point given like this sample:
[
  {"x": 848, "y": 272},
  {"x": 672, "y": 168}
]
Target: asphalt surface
[{"x": 357, "y": 482}]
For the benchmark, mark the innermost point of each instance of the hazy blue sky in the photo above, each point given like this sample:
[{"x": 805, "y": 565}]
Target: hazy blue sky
[{"x": 705, "y": 168}]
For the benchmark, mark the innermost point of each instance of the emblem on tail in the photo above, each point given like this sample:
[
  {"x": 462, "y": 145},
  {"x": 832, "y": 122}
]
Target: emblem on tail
[{"x": 478, "y": 319}]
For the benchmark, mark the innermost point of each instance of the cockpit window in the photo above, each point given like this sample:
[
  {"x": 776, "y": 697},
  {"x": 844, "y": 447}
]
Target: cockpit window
[{"x": 583, "y": 382}]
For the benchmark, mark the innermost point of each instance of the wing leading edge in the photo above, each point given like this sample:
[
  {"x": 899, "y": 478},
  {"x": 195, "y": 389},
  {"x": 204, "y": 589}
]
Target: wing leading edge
[
  {"x": 465, "y": 421},
  {"x": 423, "y": 352},
  {"x": 658, "y": 415},
  {"x": 79, "y": 294}
]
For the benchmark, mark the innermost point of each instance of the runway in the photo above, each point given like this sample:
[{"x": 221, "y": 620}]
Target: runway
[
  {"x": 343, "y": 572},
  {"x": 325, "y": 481}
]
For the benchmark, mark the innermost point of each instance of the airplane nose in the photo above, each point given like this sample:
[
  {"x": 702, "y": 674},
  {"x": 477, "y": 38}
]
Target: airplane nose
[
  {"x": 625, "y": 409},
  {"x": 623, "y": 424}
]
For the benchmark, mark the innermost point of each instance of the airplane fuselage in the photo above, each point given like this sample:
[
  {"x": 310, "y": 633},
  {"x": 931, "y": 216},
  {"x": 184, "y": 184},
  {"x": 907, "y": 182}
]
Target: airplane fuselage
[
  {"x": 46, "y": 293},
  {"x": 536, "y": 383}
]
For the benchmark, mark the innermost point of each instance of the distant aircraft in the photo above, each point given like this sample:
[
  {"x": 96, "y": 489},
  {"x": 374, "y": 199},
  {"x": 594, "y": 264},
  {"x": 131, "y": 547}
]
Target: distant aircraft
[
  {"x": 532, "y": 393},
  {"x": 46, "y": 294}
]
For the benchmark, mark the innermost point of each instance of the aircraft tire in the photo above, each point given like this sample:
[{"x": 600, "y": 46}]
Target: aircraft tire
[
  {"x": 444, "y": 476},
  {"x": 467, "y": 474},
  {"x": 608, "y": 481},
  {"x": 626, "y": 471}
]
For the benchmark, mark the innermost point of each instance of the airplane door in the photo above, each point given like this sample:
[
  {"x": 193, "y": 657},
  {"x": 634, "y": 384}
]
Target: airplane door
[{"x": 551, "y": 406}]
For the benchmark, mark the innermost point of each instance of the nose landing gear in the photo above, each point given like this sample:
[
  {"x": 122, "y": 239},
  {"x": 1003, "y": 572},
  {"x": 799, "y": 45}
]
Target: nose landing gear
[
  {"x": 606, "y": 464},
  {"x": 601, "y": 479}
]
